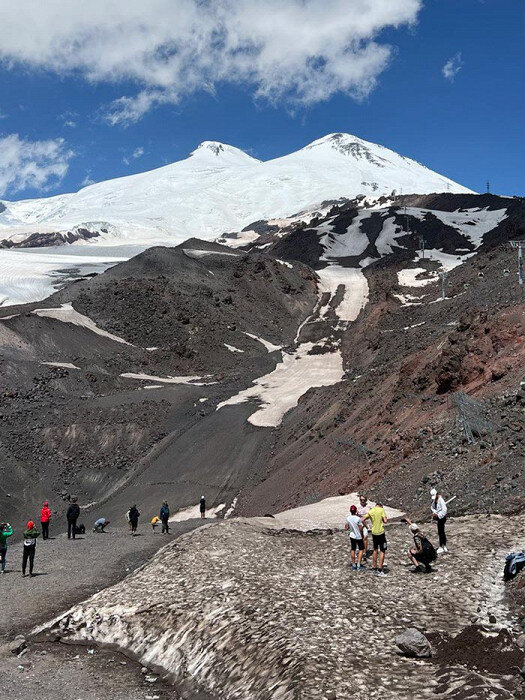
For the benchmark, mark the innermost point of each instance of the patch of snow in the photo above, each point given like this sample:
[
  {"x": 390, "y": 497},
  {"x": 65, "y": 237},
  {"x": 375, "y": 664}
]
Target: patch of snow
[
  {"x": 355, "y": 286},
  {"x": 67, "y": 314},
  {"x": 328, "y": 513},
  {"x": 407, "y": 278},
  {"x": 286, "y": 264},
  {"x": 269, "y": 346},
  {"x": 192, "y": 380},
  {"x": 193, "y": 512},
  {"x": 409, "y": 299},
  {"x": 232, "y": 507},
  {"x": 152, "y": 349},
  {"x": 65, "y": 365},
  {"x": 232, "y": 348},
  {"x": 446, "y": 260},
  {"x": 415, "y": 325},
  {"x": 281, "y": 390},
  {"x": 198, "y": 254}
]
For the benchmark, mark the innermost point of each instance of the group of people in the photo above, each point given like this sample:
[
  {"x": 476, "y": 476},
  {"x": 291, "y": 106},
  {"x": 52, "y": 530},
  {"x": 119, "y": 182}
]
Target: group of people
[
  {"x": 364, "y": 519},
  {"x": 31, "y": 533}
]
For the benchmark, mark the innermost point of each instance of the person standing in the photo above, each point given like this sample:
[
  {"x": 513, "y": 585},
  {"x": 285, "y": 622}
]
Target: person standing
[
  {"x": 355, "y": 525},
  {"x": 45, "y": 517},
  {"x": 28, "y": 554},
  {"x": 377, "y": 517},
  {"x": 72, "y": 516},
  {"x": 362, "y": 512},
  {"x": 439, "y": 514},
  {"x": 133, "y": 519},
  {"x": 6, "y": 531},
  {"x": 202, "y": 507},
  {"x": 164, "y": 517}
]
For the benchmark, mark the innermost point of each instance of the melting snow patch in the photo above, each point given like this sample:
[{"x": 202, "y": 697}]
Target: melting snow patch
[
  {"x": 286, "y": 264},
  {"x": 415, "y": 325},
  {"x": 194, "y": 512},
  {"x": 280, "y": 390},
  {"x": 67, "y": 314},
  {"x": 197, "y": 254},
  {"x": 166, "y": 380},
  {"x": 407, "y": 278},
  {"x": 269, "y": 346},
  {"x": 232, "y": 348},
  {"x": 65, "y": 365},
  {"x": 355, "y": 294}
]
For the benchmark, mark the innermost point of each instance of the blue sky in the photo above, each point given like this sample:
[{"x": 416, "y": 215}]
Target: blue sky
[{"x": 65, "y": 104}]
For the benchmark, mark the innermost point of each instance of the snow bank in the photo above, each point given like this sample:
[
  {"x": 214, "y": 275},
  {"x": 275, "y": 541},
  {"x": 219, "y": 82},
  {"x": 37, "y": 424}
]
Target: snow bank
[
  {"x": 269, "y": 346},
  {"x": 281, "y": 390},
  {"x": 67, "y": 314},
  {"x": 166, "y": 380},
  {"x": 355, "y": 286}
]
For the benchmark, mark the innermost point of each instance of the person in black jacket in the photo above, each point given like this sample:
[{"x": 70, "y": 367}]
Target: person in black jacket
[
  {"x": 133, "y": 515},
  {"x": 72, "y": 516},
  {"x": 164, "y": 516},
  {"x": 202, "y": 507}
]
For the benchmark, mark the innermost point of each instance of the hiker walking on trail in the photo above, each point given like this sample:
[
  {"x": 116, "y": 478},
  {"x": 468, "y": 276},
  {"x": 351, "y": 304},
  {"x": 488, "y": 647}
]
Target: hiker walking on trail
[
  {"x": 45, "y": 517},
  {"x": 377, "y": 517},
  {"x": 202, "y": 507},
  {"x": 362, "y": 512},
  {"x": 133, "y": 518},
  {"x": 355, "y": 525},
  {"x": 72, "y": 516},
  {"x": 439, "y": 514},
  {"x": 6, "y": 531},
  {"x": 164, "y": 516},
  {"x": 29, "y": 550},
  {"x": 422, "y": 554},
  {"x": 100, "y": 524}
]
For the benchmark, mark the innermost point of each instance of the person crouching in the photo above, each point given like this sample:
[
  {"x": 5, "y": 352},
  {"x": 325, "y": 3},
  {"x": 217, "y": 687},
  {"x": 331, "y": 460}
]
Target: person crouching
[{"x": 423, "y": 553}]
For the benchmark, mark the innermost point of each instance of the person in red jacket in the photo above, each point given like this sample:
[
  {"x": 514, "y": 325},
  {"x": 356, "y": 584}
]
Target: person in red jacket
[{"x": 45, "y": 517}]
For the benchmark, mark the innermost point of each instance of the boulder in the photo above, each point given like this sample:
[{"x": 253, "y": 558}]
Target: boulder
[{"x": 412, "y": 642}]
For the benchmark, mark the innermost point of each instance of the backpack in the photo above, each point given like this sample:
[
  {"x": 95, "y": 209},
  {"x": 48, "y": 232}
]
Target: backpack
[{"x": 428, "y": 548}]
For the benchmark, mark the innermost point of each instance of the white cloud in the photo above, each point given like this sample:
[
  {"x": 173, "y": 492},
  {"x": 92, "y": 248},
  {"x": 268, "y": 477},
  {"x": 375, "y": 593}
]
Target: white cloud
[
  {"x": 137, "y": 153},
  {"x": 292, "y": 51},
  {"x": 87, "y": 181},
  {"x": 34, "y": 164},
  {"x": 452, "y": 67}
]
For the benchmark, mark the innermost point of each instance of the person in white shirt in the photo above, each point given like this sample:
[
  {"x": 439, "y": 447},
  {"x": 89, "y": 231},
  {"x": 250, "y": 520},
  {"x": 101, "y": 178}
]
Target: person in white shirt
[
  {"x": 439, "y": 514},
  {"x": 355, "y": 525},
  {"x": 362, "y": 512}
]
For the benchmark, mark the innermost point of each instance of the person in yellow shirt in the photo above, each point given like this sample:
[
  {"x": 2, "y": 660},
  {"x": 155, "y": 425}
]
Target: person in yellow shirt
[
  {"x": 155, "y": 521},
  {"x": 377, "y": 517}
]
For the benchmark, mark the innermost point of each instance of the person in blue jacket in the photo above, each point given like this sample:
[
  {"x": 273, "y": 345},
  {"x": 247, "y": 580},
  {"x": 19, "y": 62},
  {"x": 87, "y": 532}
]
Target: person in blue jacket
[{"x": 164, "y": 516}]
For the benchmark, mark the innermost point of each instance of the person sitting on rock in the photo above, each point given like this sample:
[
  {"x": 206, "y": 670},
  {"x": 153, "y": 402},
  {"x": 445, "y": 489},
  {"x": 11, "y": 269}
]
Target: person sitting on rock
[
  {"x": 100, "y": 524},
  {"x": 422, "y": 554},
  {"x": 355, "y": 525}
]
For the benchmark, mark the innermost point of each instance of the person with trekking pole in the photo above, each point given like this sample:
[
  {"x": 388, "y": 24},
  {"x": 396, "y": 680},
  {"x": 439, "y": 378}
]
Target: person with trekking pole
[{"x": 439, "y": 514}]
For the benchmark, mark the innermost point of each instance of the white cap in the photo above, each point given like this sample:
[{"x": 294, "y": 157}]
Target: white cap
[
  {"x": 433, "y": 493},
  {"x": 414, "y": 527}
]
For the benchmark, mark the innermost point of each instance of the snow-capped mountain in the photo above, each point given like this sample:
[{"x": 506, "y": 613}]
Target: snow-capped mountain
[{"x": 217, "y": 188}]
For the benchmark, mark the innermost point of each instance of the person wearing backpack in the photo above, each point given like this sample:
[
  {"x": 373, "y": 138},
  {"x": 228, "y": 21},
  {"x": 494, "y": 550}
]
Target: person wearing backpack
[
  {"x": 423, "y": 553},
  {"x": 72, "y": 516},
  {"x": 28, "y": 555},
  {"x": 6, "y": 531},
  {"x": 164, "y": 516}
]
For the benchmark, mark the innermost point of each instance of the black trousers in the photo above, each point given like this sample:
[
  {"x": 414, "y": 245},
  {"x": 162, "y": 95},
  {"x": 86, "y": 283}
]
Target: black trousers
[
  {"x": 71, "y": 526},
  {"x": 165, "y": 526},
  {"x": 28, "y": 555},
  {"x": 45, "y": 530},
  {"x": 134, "y": 525},
  {"x": 441, "y": 531}
]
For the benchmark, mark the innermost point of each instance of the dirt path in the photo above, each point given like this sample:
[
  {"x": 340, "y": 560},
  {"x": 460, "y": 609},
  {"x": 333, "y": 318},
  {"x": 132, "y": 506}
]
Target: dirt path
[{"x": 69, "y": 571}]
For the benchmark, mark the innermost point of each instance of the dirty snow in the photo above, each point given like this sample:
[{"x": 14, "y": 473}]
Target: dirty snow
[
  {"x": 193, "y": 380},
  {"x": 281, "y": 390},
  {"x": 192, "y": 512},
  {"x": 67, "y": 314},
  {"x": 269, "y": 346},
  {"x": 65, "y": 365},
  {"x": 355, "y": 294},
  {"x": 232, "y": 348},
  {"x": 407, "y": 278}
]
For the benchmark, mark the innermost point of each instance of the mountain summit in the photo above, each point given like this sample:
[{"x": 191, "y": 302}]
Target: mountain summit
[{"x": 217, "y": 188}]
